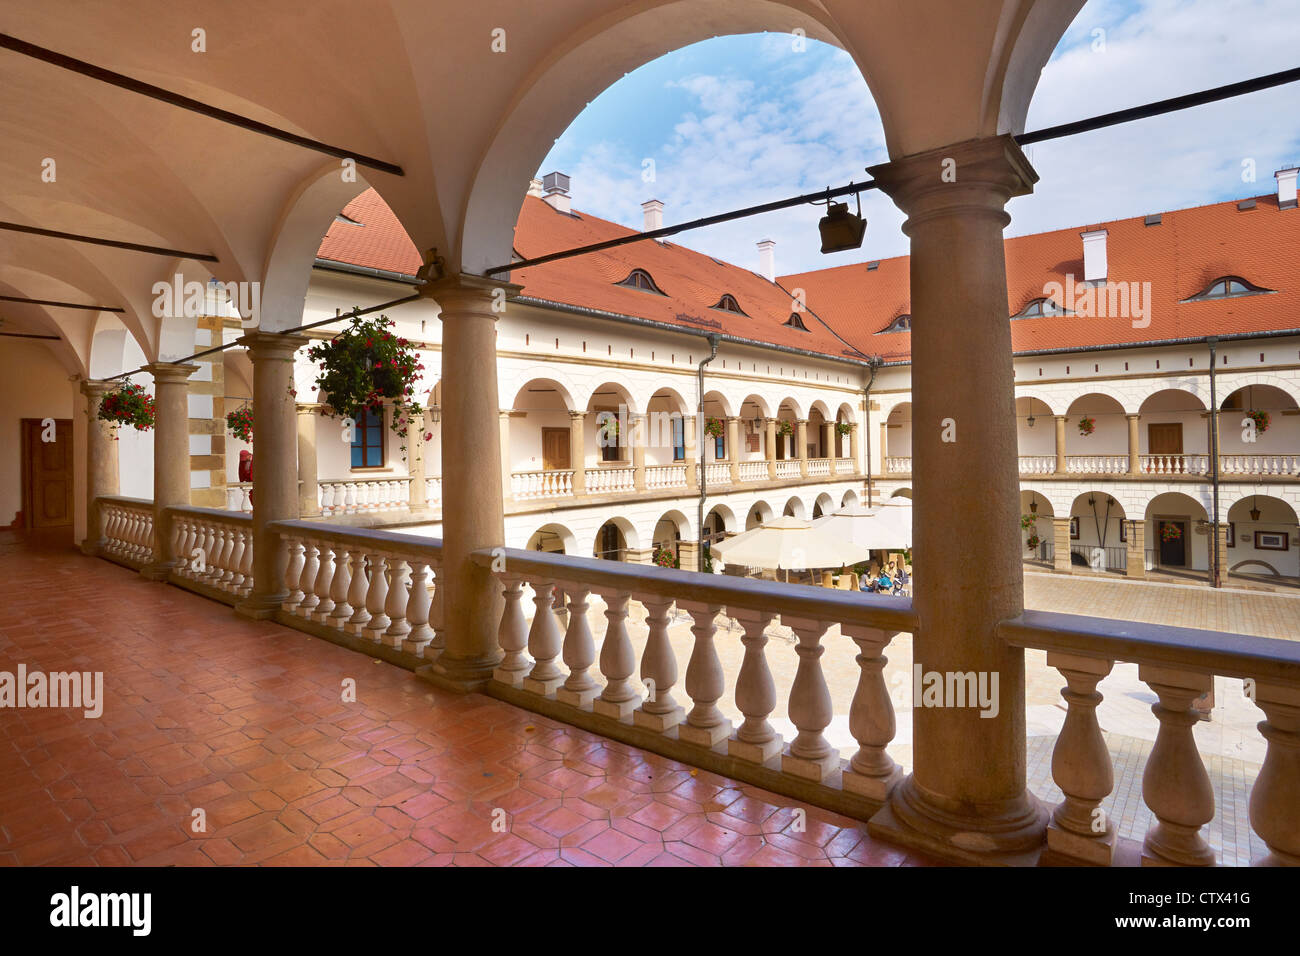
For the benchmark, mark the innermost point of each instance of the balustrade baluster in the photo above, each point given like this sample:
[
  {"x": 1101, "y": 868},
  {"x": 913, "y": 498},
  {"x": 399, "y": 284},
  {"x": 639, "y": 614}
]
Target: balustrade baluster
[
  {"x": 1274, "y": 809},
  {"x": 436, "y": 622},
  {"x": 512, "y": 635},
  {"x": 358, "y": 588},
  {"x": 377, "y": 598},
  {"x": 324, "y": 580},
  {"x": 1175, "y": 784},
  {"x": 871, "y": 771},
  {"x": 236, "y": 579},
  {"x": 310, "y": 572},
  {"x": 580, "y": 688},
  {"x": 246, "y": 563},
  {"x": 705, "y": 724},
  {"x": 755, "y": 739},
  {"x": 811, "y": 755},
  {"x": 398, "y": 597},
  {"x": 660, "y": 711},
  {"x": 545, "y": 641},
  {"x": 293, "y": 573},
  {"x": 417, "y": 610},
  {"x": 617, "y": 661},
  {"x": 1081, "y": 765},
  {"x": 339, "y": 587}
]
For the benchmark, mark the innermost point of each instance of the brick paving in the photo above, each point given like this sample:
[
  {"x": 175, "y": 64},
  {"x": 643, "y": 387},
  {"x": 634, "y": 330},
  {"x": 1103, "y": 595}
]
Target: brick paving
[{"x": 244, "y": 720}]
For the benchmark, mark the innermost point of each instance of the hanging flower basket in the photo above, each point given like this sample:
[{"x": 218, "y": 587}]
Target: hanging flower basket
[
  {"x": 785, "y": 429},
  {"x": 1261, "y": 419},
  {"x": 663, "y": 557},
  {"x": 843, "y": 428},
  {"x": 1087, "y": 425},
  {"x": 713, "y": 427},
  {"x": 366, "y": 365},
  {"x": 128, "y": 405},
  {"x": 240, "y": 423},
  {"x": 1027, "y": 522},
  {"x": 1171, "y": 532},
  {"x": 1032, "y": 542}
]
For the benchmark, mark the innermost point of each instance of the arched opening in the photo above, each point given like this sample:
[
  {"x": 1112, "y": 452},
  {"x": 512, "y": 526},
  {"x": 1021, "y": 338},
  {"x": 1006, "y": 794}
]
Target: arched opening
[
  {"x": 824, "y": 505},
  {"x": 902, "y": 493},
  {"x": 718, "y": 523},
  {"x": 1261, "y": 537},
  {"x": 614, "y": 540},
  {"x": 1177, "y": 535},
  {"x": 788, "y": 414},
  {"x": 844, "y": 418},
  {"x": 607, "y": 429},
  {"x": 896, "y": 440},
  {"x": 1173, "y": 433},
  {"x": 1096, "y": 426},
  {"x": 1257, "y": 420},
  {"x": 849, "y": 499},
  {"x": 717, "y": 409},
  {"x": 553, "y": 539},
  {"x": 669, "y": 531},
  {"x": 819, "y": 444},
  {"x": 538, "y": 435},
  {"x": 1035, "y": 435},
  {"x": 1098, "y": 533},
  {"x": 759, "y": 514},
  {"x": 1037, "y": 531},
  {"x": 794, "y": 508},
  {"x": 754, "y": 412},
  {"x": 665, "y": 438}
]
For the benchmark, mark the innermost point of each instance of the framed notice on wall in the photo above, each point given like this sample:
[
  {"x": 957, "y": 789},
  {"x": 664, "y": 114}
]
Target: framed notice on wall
[{"x": 1272, "y": 540}]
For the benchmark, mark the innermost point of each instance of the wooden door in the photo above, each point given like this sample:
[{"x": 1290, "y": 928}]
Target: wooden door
[
  {"x": 555, "y": 449},
  {"x": 47, "y": 474},
  {"x": 1165, "y": 439},
  {"x": 1173, "y": 553}
]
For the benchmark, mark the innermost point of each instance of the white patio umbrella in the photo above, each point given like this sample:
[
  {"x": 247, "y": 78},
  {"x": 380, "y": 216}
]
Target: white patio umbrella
[
  {"x": 790, "y": 544},
  {"x": 884, "y": 527}
]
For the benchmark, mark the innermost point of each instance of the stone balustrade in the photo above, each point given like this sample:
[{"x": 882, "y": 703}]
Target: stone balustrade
[
  {"x": 547, "y": 665},
  {"x": 753, "y": 471},
  {"x": 374, "y": 586},
  {"x": 1175, "y": 464},
  {"x": 819, "y": 467},
  {"x": 1096, "y": 464},
  {"x": 128, "y": 530},
  {"x": 362, "y": 495},
  {"x": 239, "y": 496},
  {"x": 1179, "y": 665},
  {"x": 789, "y": 468},
  {"x": 433, "y": 490},
  {"x": 898, "y": 466},
  {"x": 525, "y": 485},
  {"x": 604, "y": 481},
  {"x": 214, "y": 550},
  {"x": 1264, "y": 465},
  {"x": 1037, "y": 464},
  {"x": 717, "y": 473},
  {"x": 665, "y": 476}
]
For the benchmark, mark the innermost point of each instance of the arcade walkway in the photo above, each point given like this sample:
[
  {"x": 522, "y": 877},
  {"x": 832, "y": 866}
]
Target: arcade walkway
[{"x": 244, "y": 720}]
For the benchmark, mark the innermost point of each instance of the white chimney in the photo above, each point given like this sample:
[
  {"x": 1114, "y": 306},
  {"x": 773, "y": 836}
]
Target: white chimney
[
  {"x": 535, "y": 187},
  {"x": 1286, "y": 193},
  {"x": 654, "y": 215},
  {"x": 767, "y": 259},
  {"x": 1094, "y": 255},
  {"x": 556, "y": 186}
]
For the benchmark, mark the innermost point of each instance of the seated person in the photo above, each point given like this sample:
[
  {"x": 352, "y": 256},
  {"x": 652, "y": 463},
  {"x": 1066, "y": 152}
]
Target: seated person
[{"x": 884, "y": 582}]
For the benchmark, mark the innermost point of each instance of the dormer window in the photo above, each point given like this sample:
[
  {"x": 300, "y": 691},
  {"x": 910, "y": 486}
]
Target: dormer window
[
  {"x": 1040, "y": 308},
  {"x": 640, "y": 279},
  {"x": 728, "y": 303},
  {"x": 1227, "y": 287},
  {"x": 794, "y": 322},
  {"x": 902, "y": 323}
]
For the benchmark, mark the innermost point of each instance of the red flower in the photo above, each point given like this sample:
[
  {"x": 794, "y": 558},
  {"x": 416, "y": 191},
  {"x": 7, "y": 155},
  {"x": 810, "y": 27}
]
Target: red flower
[{"x": 428, "y": 436}]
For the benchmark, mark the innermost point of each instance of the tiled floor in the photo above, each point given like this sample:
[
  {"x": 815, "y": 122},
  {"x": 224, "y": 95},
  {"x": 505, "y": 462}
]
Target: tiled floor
[{"x": 245, "y": 722}]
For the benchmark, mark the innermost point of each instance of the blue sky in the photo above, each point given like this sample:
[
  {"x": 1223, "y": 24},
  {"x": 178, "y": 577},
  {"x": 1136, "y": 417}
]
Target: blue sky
[{"x": 736, "y": 121}]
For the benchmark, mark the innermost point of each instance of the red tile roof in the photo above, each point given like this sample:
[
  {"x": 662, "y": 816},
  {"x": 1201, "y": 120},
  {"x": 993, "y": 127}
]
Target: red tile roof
[{"x": 1180, "y": 257}]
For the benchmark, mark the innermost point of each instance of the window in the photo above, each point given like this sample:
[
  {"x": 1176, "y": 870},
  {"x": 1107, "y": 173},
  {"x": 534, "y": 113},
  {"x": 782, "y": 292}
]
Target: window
[
  {"x": 728, "y": 303},
  {"x": 1039, "y": 308},
  {"x": 640, "y": 279},
  {"x": 1074, "y": 528},
  {"x": 609, "y": 435},
  {"x": 368, "y": 440},
  {"x": 1227, "y": 287},
  {"x": 720, "y": 447},
  {"x": 902, "y": 323},
  {"x": 795, "y": 322},
  {"x": 679, "y": 438}
]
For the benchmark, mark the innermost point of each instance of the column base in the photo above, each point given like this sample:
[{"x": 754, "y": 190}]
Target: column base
[
  {"x": 582, "y": 699},
  {"x": 260, "y": 607},
  {"x": 461, "y": 675},
  {"x": 876, "y": 788},
  {"x": 704, "y": 736},
  {"x": 1005, "y": 834},
  {"x": 754, "y": 753},
  {"x": 620, "y": 710},
  {"x": 1098, "y": 850},
  {"x": 511, "y": 678},
  {"x": 542, "y": 688},
  {"x": 157, "y": 571},
  {"x": 660, "y": 722}
]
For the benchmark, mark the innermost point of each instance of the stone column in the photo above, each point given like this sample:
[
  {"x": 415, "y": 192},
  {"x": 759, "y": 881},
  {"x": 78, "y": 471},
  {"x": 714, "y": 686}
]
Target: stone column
[
  {"x": 733, "y": 448},
  {"x": 1061, "y": 544},
  {"x": 1134, "y": 459},
  {"x": 801, "y": 439},
  {"x": 101, "y": 462},
  {"x": 769, "y": 447},
  {"x": 578, "y": 451},
  {"x": 636, "y": 426},
  {"x": 503, "y": 427},
  {"x": 1136, "y": 547},
  {"x": 1061, "y": 465},
  {"x": 171, "y": 456},
  {"x": 275, "y": 466},
  {"x": 853, "y": 448},
  {"x": 688, "y": 555},
  {"x": 692, "y": 454},
  {"x": 884, "y": 445},
  {"x": 638, "y": 555},
  {"x": 308, "y": 478},
  {"x": 418, "y": 495},
  {"x": 472, "y": 509},
  {"x": 967, "y": 791}
]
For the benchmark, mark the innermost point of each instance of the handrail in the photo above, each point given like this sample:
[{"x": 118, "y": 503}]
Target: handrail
[
  {"x": 216, "y": 514},
  {"x": 792, "y": 600},
  {"x": 1185, "y": 648},
  {"x": 382, "y": 540}
]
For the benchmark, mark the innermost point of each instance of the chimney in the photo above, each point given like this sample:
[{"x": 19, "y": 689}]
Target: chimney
[
  {"x": 1094, "y": 255},
  {"x": 654, "y": 215},
  {"x": 1286, "y": 194},
  {"x": 767, "y": 259},
  {"x": 556, "y": 186},
  {"x": 535, "y": 187}
]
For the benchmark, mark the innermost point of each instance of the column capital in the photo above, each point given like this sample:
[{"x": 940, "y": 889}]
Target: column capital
[
  {"x": 171, "y": 372},
  {"x": 96, "y": 388},
  {"x": 271, "y": 345},
  {"x": 975, "y": 176},
  {"x": 1132, "y": 416},
  {"x": 462, "y": 292},
  {"x": 309, "y": 408},
  {"x": 577, "y": 415}
]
